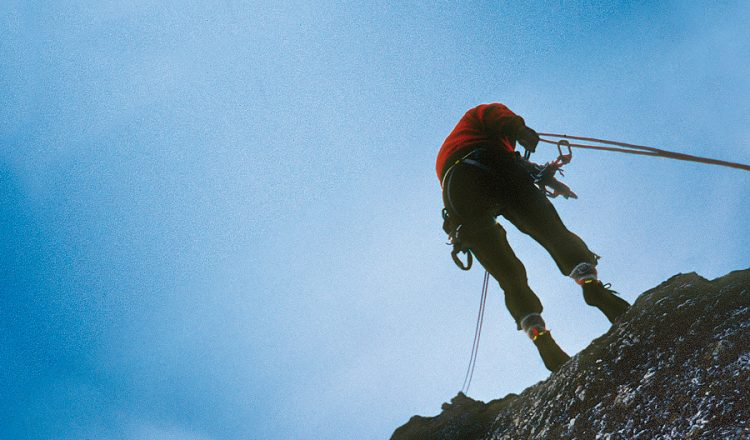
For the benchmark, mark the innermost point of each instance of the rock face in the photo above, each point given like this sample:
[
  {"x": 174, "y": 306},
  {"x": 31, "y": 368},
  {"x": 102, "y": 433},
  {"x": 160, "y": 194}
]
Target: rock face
[{"x": 675, "y": 366}]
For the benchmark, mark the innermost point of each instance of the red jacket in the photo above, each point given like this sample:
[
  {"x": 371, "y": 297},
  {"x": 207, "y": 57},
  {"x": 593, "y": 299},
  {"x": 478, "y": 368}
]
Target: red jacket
[{"x": 490, "y": 125}]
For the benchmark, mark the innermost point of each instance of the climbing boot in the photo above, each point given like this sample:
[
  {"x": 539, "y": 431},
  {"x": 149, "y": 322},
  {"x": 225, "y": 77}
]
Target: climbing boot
[
  {"x": 552, "y": 355},
  {"x": 605, "y": 299}
]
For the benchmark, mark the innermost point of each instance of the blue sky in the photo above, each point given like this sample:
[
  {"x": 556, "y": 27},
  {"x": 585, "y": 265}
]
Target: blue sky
[{"x": 221, "y": 219}]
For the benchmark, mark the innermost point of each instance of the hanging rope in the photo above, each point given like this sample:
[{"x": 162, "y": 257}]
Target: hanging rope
[
  {"x": 636, "y": 149},
  {"x": 477, "y": 335}
]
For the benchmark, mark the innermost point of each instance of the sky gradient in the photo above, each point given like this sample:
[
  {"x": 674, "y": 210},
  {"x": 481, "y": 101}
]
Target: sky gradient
[{"x": 221, "y": 220}]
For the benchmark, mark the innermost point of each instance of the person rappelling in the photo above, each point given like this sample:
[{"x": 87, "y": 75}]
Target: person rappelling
[{"x": 483, "y": 177}]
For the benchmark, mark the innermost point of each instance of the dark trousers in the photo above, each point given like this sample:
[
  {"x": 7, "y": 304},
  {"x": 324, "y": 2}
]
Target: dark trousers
[{"x": 497, "y": 184}]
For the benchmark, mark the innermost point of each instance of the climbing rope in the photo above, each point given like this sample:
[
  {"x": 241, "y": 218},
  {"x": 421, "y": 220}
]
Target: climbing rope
[
  {"x": 477, "y": 335},
  {"x": 622, "y": 147}
]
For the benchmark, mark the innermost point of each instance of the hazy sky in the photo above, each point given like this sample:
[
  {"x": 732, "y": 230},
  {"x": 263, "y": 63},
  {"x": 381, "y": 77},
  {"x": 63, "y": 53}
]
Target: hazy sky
[{"x": 221, "y": 220}]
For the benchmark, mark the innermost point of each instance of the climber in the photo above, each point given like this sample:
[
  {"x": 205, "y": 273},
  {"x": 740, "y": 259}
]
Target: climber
[{"x": 482, "y": 176}]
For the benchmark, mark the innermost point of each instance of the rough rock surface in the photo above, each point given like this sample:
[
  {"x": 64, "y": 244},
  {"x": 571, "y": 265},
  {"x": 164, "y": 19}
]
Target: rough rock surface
[{"x": 675, "y": 366}]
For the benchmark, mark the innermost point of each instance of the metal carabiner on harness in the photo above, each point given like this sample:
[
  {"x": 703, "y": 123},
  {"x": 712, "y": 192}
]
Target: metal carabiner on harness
[
  {"x": 458, "y": 248},
  {"x": 459, "y": 263},
  {"x": 454, "y": 238}
]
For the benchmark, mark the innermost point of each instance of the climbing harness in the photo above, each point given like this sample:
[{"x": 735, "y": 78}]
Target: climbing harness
[
  {"x": 477, "y": 335},
  {"x": 622, "y": 147},
  {"x": 467, "y": 160}
]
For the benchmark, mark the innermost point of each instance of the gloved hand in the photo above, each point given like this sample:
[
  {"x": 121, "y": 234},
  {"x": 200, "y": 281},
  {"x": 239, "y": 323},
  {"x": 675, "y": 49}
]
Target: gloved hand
[{"x": 527, "y": 138}]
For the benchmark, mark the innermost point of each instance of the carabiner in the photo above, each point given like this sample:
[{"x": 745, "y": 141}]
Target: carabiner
[
  {"x": 564, "y": 158},
  {"x": 459, "y": 263}
]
